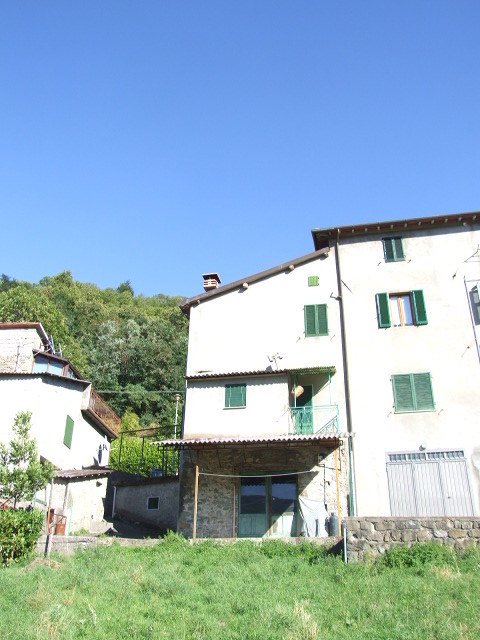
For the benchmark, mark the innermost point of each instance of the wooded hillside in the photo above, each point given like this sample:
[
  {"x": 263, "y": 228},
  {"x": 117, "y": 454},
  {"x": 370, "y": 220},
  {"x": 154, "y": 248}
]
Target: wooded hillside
[{"x": 132, "y": 347}]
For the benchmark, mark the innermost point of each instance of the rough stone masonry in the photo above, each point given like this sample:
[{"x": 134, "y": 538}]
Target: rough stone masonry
[{"x": 370, "y": 537}]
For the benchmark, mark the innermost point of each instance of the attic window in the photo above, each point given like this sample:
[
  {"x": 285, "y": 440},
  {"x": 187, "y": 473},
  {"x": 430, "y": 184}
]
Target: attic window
[
  {"x": 44, "y": 364},
  {"x": 313, "y": 281}
]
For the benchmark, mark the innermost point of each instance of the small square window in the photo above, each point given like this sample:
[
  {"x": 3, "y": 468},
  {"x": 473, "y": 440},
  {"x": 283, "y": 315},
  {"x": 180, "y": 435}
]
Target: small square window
[
  {"x": 393, "y": 249},
  {"x": 153, "y": 503},
  {"x": 313, "y": 281},
  {"x": 235, "y": 395}
]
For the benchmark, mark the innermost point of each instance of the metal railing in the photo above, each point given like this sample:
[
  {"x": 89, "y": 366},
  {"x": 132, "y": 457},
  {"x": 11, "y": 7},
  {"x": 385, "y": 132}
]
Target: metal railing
[
  {"x": 106, "y": 414},
  {"x": 322, "y": 419}
]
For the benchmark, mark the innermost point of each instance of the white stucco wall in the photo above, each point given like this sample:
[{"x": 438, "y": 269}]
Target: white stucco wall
[
  {"x": 236, "y": 331},
  {"x": 436, "y": 261},
  {"x": 84, "y": 504},
  {"x": 16, "y": 349},
  {"x": 51, "y": 399}
]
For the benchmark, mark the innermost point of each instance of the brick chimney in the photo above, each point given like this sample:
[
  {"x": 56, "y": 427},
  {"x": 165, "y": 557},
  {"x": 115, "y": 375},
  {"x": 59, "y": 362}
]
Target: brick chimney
[{"x": 211, "y": 281}]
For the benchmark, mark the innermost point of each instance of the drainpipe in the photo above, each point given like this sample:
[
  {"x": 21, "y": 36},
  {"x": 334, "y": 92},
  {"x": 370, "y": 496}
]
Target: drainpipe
[{"x": 351, "y": 457}]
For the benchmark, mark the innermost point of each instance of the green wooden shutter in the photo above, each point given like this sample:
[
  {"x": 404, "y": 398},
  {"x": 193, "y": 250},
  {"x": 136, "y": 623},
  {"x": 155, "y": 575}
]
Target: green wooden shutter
[
  {"x": 322, "y": 320},
  {"x": 403, "y": 393},
  {"x": 235, "y": 395},
  {"x": 398, "y": 249},
  {"x": 422, "y": 385},
  {"x": 419, "y": 309},
  {"x": 310, "y": 320},
  {"x": 383, "y": 310},
  {"x": 388, "y": 250},
  {"x": 313, "y": 281},
  {"x": 67, "y": 438},
  {"x": 393, "y": 249}
]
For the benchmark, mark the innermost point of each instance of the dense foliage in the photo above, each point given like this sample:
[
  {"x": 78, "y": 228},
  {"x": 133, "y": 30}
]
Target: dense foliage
[
  {"x": 132, "y": 347},
  {"x": 22, "y": 473},
  {"x": 19, "y": 531}
]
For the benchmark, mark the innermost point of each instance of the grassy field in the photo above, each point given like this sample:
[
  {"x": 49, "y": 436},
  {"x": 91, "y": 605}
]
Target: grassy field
[{"x": 244, "y": 591}]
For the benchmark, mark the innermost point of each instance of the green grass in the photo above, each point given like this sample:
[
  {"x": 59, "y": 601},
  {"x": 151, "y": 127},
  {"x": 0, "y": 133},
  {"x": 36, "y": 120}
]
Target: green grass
[{"x": 244, "y": 591}]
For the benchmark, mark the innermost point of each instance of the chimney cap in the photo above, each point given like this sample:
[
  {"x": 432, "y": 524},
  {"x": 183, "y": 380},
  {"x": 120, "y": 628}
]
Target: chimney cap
[{"x": 211, "y": 280}]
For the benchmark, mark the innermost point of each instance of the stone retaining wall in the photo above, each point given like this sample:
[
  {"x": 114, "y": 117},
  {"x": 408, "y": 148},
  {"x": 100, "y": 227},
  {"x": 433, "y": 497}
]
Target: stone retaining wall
[
  {"x": 67, "y": 545},
  {"x": 370, "y": 537}
]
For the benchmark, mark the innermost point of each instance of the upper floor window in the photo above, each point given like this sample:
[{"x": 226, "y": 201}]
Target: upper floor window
[
  {"x": 475, "y": 303},
  {"x": 393, "y": 249},
  {"x": 235, "y": 395},
  {"x": 316, "y": 321},
  {"x": 412, "y": 392},
  {"x": 401, "y": 309}
]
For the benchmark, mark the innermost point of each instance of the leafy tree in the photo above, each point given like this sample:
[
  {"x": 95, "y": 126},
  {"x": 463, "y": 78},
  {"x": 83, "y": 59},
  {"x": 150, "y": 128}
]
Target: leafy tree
[
  {"x": 21, "y": 472},
  {"x": 125, "y": 287}
]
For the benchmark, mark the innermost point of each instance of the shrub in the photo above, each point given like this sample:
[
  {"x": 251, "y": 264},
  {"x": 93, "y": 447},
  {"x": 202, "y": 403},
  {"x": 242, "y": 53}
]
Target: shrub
[
  {"x": 419, "y": 555},
  {"x": 19, "y": 531}
]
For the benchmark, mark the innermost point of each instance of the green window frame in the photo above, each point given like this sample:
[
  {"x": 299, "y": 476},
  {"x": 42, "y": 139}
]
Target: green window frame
[
  {"x": 68, "y": 435},
  {"x": 235, "y": 396},
  {"x": 313, "y": 281},
  {"x": 413, "y": 392},
  {"x": 315, "y": 320},
  {"x": 393, "y": 249},
  {"x": 417, "y": 302}
]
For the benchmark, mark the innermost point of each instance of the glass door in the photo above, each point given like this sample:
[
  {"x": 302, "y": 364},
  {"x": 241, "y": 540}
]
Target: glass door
[
  {"x": 252, "y": 517},
  {"x": 267, "y": 506}
]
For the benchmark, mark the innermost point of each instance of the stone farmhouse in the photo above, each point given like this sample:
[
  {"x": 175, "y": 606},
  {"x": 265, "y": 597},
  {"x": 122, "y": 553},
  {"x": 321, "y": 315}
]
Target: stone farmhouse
[
  {"x": 344, "y": 381},
  {"x": 71, "y": 423}
]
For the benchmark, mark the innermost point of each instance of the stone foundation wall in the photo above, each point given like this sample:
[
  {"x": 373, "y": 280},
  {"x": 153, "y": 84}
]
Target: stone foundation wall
[
  {"x": 370, "y": 537},
  {"x": 217, "y": 511}
]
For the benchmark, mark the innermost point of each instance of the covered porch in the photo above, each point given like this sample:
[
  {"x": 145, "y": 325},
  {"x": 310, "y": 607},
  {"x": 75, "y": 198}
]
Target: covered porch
[{"x": 278, "y": 486}]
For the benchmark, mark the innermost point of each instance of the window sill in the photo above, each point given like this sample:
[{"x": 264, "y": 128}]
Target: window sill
[
  {"x": 416, "y": 411},
  {"x": 229, "y": 408}
]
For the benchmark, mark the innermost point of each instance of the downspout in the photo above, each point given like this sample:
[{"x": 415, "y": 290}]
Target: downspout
[{"x": 348, "y": 408}]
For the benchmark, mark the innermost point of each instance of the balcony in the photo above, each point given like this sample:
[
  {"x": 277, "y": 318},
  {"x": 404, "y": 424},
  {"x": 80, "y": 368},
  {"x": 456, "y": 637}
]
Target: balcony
[
  {"x": 322, "y": 419},
  {"x": 103, "y": 412}
]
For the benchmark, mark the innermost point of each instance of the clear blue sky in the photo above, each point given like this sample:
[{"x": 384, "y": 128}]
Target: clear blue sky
[{"x": 155, "y": 140}]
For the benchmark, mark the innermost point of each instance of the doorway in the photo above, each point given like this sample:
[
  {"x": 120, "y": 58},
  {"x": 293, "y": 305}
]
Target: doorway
[{"x": 267, "y": 506}]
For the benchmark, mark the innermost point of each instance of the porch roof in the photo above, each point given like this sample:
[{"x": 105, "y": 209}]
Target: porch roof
[
  {"x": 273, "y": 439},
  {"x": 200, "y": 375}
]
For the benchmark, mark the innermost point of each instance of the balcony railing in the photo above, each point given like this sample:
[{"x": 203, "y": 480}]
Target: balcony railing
[
  {"x": 322, "y": 419},
  {"x": 100, "y": 408}
]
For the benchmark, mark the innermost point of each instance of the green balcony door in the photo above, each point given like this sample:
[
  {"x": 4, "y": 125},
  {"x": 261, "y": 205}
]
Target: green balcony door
[{"x": 304, "y": 411}]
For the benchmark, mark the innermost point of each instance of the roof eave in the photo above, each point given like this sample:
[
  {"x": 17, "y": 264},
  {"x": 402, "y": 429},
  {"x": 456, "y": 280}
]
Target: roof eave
[
  {"x": 389, "y": 226},
  {"x": 256, "y": 277}
]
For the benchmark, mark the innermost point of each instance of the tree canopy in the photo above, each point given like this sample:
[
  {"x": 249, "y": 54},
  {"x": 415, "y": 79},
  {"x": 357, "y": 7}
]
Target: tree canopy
[{"x": 132, "y": 347}]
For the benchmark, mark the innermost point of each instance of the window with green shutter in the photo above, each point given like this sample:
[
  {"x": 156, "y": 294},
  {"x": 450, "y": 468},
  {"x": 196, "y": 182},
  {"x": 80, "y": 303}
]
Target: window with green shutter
[
  {"x": 401, "y": 309},
  {"x": 235, "y": 395},
  {"x": 316, "y": 321},
  {"x": 313, "y": 281},
  {"x": 383, "y": 310},
  {"x": 393, "y": 249},
  {"x": 68, "y": 435},
  {"x": 412, "y": 392}
]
